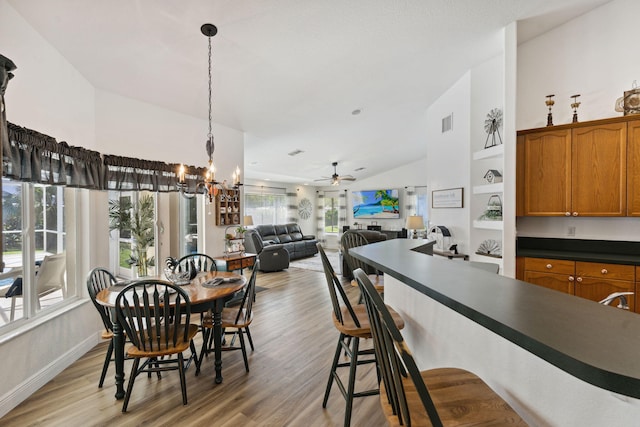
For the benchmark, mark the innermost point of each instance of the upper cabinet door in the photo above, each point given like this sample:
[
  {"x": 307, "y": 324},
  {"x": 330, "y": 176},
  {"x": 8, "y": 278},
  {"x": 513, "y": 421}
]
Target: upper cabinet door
[
  {"x": 547, "y": 173},
  {"x": 599, "y": 170},
  {"x": 633, "y": 168}
]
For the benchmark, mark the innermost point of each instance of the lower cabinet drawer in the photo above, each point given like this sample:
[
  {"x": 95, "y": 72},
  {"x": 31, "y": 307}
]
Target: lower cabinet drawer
[
  {"x": 559, "y": 266},
  {"x": 605, "y": 271}
]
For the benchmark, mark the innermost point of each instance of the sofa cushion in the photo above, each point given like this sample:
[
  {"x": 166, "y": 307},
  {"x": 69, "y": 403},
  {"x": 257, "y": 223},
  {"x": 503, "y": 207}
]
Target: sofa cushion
[
  {"x": 282, "y": 233},
  {"x": 267, "y": 232},
  {"x": 294, "y": 231}
]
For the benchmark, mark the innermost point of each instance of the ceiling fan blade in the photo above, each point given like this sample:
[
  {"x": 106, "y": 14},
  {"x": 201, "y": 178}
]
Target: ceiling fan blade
[{"x": 347, "y": 178}]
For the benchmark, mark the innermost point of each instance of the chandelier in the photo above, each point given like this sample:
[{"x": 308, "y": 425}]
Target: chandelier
[{"x": 209, "y": 186}]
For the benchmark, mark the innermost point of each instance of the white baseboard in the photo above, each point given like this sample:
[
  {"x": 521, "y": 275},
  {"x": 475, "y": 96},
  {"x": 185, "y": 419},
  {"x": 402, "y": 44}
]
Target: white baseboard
[{"x": 14, "y": 397}]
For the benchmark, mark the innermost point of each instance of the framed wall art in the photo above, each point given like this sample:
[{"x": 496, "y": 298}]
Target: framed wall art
[{"x": 449, "y": 198}]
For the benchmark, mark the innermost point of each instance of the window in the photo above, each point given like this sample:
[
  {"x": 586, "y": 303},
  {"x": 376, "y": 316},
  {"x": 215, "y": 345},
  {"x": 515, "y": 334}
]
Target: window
[
  {"x": 37, "y": 279},
  {"x": 331, "y": 210},
  {"x": 265, "y": 205},
  {"x": 422, "y": 203},
  {"x": 189, "y": 225},
  {"x": 132, "y": 224}
]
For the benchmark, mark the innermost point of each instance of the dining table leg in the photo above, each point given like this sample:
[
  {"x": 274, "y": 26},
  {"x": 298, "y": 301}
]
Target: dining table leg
[
  {"x": 217, "y": 338},
  {"x": 118, "y": 348}
]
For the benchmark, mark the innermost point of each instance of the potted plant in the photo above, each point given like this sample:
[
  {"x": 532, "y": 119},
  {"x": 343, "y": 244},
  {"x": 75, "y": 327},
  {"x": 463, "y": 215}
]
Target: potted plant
[
  {"x": 240, "y": 230},
  {"x": 138, "y": 218}
]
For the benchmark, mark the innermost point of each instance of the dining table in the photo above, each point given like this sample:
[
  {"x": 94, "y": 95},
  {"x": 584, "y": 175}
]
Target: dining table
[{"x": 207, "y": 291}]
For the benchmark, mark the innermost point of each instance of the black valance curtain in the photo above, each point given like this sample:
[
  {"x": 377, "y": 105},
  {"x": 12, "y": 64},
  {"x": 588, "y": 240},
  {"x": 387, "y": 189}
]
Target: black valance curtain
[
  {"x": 34, "y": 157},
  {"x": 6, "y": 68}
]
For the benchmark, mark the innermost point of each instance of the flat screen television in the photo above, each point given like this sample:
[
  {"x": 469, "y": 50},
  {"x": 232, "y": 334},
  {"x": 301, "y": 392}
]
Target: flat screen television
[{"x": 375, "y": 204}]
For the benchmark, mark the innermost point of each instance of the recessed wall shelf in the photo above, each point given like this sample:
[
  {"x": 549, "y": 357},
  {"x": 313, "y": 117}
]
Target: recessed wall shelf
[
  {"x": 495, "y": 151},
  {"x": 489, "y": 188},
  {"x": 488, "y": 225}
]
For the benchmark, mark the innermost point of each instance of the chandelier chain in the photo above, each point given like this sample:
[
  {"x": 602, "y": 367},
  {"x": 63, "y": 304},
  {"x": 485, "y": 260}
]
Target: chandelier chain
[{"x": 209, "y": 135}]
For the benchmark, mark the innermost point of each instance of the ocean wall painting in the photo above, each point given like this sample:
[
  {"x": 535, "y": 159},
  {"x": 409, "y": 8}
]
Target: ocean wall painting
[{"x": 376, "y": 204}]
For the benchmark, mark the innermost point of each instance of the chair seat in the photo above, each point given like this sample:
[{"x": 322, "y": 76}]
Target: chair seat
[
  {"x": 460, "y": 397},
  {"x": 228, "y": 318},
  {"x": 348, "y": 327},
  {"x": 163, "y": 350}
]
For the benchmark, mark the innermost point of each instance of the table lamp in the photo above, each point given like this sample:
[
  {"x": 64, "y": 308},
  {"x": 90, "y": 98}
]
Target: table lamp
[
  {"x": 415, "y": 223},
  {"x": 248, "y": 220}
]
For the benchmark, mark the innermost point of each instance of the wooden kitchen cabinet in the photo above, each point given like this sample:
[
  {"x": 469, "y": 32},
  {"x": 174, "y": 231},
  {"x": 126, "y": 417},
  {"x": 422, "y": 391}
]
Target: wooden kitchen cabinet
[
  {"x": 595, "y": 281},
  {"x": 551, "y": 273},
  {"x": 599, "y": 170},
  {"x": 574, "y": 170},
  {"x": 590, "y": 280},
  {"x": 633, "y": 168},
  {"x": 547, "y": 173}
]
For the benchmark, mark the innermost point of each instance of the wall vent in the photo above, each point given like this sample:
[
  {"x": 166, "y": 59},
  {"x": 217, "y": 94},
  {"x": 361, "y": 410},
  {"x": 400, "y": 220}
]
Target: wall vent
[
  {"x": 447, "y": 123},
  {"x": 295, "y": 152}
]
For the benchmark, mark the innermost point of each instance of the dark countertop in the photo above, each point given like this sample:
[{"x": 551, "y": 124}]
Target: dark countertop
[
  {"x": 597, "y": 344},
  {"x": 607, "y": 251}
]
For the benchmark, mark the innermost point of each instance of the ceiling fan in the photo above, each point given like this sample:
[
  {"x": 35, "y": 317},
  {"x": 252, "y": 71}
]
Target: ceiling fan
[{"x": 335, "y": 178}]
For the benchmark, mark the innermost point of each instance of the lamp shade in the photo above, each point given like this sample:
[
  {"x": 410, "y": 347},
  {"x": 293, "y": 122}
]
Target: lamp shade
[
  {"x": 248, "y": 220},
  {"x": 415, "y": 222}
]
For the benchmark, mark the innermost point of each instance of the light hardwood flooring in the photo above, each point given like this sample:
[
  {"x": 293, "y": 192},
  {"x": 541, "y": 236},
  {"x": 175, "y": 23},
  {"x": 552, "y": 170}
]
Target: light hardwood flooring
[{"x": 295, "y": 341}]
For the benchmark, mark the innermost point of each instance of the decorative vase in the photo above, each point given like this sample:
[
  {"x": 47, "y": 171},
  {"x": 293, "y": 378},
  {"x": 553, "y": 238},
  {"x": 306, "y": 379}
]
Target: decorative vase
[{"x": 143, "y": 264}]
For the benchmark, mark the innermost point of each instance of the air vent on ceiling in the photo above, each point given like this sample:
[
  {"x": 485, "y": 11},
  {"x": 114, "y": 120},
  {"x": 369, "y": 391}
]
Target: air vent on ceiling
[
  {"x": 295, "y": 152},
  {"x": 359, "y": 169},
  {"x": 447, "y": 123}
]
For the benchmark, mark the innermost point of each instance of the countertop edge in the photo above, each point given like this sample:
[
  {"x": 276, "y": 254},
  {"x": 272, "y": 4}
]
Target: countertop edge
[{"x": 595, "y": 372}]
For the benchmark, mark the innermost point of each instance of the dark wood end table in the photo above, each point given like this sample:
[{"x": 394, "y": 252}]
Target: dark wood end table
[{"x": 235, "y": 261}]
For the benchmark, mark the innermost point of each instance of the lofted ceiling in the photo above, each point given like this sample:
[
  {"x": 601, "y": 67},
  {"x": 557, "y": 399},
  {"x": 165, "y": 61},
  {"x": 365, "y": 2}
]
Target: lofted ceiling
[{"x": 289, "y": 73}]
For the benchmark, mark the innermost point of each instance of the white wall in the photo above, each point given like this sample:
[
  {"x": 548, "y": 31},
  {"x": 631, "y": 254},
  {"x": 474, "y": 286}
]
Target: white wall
[
  {"x": 593, "y": 55},
  {"x": 50, "y": 96},
  {"x": 448, "y": 158}
]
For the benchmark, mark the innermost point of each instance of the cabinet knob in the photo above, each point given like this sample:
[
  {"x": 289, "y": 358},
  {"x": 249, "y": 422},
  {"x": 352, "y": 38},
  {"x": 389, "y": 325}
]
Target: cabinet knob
[
  {"x": 579, "y": 279},
  {"x": 567, "y": 214},
  {"x": 549, "y": 266},
  {"x": 575, "y": 214},
  {"x": 571, "y": 279},
  {"x": 604, "y": 271}
]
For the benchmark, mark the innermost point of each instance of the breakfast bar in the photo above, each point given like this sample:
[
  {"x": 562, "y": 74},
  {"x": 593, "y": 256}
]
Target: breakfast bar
[{"x": 557, "y": 359}]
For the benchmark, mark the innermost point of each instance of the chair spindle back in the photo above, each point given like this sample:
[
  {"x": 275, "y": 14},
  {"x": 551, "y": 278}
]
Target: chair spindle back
[
  {"x": 148, "y": 322},
  {"x": 335, "y": 288},
  {"x": 394, "y": 358}
]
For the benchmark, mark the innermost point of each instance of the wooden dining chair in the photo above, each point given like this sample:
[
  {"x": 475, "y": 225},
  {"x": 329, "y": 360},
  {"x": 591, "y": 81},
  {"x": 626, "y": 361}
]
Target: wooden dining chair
[
  {"x": 353, "y": 324},
  {"x": 156, "y": 329},
  {"x": 235, "y": 322},
  {"x": 201, "y": 262},
  {"x": 98, "y": 279},
  {"x": 435, "y": 397}
]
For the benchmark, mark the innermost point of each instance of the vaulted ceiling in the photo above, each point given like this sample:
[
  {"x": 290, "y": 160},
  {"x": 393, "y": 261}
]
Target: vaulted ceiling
[{"x": 290, "y": 73}]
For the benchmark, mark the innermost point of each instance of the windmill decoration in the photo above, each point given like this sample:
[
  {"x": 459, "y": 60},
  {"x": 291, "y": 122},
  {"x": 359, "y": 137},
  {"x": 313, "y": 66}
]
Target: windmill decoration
[{"x": 492, "y": 126}]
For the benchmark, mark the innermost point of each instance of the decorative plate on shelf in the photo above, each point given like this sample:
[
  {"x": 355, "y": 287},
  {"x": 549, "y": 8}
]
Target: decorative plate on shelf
[{"x": 491, "y": 248}]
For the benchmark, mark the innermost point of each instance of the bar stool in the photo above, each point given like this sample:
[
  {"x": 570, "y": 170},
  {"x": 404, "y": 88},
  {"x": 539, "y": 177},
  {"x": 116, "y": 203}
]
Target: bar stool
[{"x": 352, "y": 323}]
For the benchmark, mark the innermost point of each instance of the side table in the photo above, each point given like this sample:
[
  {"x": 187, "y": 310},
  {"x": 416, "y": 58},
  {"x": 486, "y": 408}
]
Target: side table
[{"x": 237, "y": 261}]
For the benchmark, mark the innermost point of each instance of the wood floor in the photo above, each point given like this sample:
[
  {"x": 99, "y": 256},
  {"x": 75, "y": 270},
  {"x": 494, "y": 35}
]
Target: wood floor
[{"x": 295, "y": 340}]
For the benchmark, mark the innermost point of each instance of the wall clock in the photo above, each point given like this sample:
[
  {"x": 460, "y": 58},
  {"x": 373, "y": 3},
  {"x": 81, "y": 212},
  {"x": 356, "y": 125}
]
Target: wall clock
[{"x": 304, "y": 208}]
